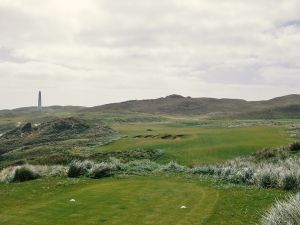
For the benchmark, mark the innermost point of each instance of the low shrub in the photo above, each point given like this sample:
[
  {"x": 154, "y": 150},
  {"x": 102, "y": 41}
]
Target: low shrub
[
  {"x": 140, "y": 167},
  {"x": 242, "y": 176},
  {"x": 174, "y": 167},
  {"x": 127, "y": 156},
  {"x": 270, "y": 154},
  {"x": 75, "y": 171},
  {"x": 114, "y": 166},
  {"x": 24, "y": 173},
  {"x": 77, "y": 168},
  {"x": 205, "y": 170},
  {"x": 295, "y": 147},
  {"x": 283, "y": 173},
  {"x": 267, "y": 180},
  {"x": 29, "y": 172},
  {"x": 102, "y": 170},
  {"x": 289, "y": 181}
]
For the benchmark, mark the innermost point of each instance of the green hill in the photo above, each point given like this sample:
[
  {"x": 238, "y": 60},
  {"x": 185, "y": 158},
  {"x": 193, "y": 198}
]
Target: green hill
[
  {"x": 56, "y": 141},
  {"x": 281, "y": 107},
  {"x": 179, "y": 105},
  {"x": 32, "y": 109}
]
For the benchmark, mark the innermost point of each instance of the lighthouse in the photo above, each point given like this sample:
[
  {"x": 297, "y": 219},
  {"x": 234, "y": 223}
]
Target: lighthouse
[{"x": 40, "y": 102}]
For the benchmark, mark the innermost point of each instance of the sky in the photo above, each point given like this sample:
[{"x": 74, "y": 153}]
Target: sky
[{"x": 92, "y": 52}]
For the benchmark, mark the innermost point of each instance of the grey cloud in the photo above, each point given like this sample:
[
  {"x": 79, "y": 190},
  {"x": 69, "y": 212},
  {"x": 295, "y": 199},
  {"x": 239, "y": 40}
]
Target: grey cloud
[
  {"x": 295, "y": 22},
  {"x": 7, "y": 54},
  {"x": 145, "y": 49}
]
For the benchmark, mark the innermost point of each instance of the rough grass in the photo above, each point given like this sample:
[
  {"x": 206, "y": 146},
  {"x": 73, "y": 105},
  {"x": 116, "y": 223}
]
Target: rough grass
[
  {"x": 134, "y": 200},
  {"x": 30, "y": 172},
  {"x": 115, "y": 167},
  {"x": 269, "y": 168},
  {"x": 284, "y": 212},
  {"x": 91, "y": 169}
]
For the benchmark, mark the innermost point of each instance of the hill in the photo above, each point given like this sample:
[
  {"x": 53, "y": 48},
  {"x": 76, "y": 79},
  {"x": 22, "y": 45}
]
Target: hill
[
  {"x": 280, "y": 107},
  {"x": 56, "y": 140},
  {"x": 33, "y": 109},
  {"x": 179, "y": 105},
  {"x": 290, "y": 111}
]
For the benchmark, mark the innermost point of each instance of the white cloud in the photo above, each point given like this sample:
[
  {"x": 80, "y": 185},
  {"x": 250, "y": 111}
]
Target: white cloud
[{"x": 90, "y": 52}]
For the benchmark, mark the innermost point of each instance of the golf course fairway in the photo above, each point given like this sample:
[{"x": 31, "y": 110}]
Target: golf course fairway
[{"x": 131, "y": 200}]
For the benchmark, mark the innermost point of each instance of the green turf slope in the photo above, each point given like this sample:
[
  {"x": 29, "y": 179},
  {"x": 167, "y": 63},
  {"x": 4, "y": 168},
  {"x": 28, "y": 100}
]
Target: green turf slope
[
  {"x": 130, "y": 201},
  {"x": 200, "y": 145}
]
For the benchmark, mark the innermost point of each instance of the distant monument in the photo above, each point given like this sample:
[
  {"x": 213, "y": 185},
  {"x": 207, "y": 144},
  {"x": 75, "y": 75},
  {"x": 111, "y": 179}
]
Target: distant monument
[{"x": 40, "y": 108}]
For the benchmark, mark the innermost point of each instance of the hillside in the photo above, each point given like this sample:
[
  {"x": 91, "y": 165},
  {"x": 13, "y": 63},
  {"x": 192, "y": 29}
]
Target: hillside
[
  {"x": 290, "y": 111},
  {"x": 176, "y": 104},
  {"x": 33, "y": 109},
  {"x": 281, "y": 107},
  {"x": 54, "y": 140}
]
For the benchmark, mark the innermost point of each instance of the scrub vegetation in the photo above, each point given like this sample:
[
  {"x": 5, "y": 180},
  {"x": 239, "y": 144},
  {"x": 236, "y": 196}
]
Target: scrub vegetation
[
  {"x": 284, "y": 212},
  {"x": 269, "y": 168}
]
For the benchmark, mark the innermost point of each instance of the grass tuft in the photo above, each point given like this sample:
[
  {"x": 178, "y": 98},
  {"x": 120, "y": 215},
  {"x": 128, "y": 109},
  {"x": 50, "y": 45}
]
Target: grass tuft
[
  {"x": 284, "y": 212},
  {"x": 78, "y": 168},
  {"x": 266, "y": 169},
  {"x": 30, "y": 172}
]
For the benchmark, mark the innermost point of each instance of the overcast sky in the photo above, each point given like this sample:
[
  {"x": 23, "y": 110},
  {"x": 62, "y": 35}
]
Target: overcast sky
[{"x": 90, "y": 52}]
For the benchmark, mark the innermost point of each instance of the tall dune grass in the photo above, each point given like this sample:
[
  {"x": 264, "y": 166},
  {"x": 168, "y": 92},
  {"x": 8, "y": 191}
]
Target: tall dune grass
[
  {"x": 284, "y": 173},
  {"x": 90, "y": 169},
  {"x": 271, "y": 168},
  {"x": 114, "y": 167},
  {"x": 30, "y": 172},
  {"x": 284, "y": 212}
]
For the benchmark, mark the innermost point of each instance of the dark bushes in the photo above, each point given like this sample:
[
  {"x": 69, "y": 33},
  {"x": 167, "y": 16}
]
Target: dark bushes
[
  {"x": 268, "y": 180},
  {"x": 295, "y": 147},
  {"x": 102, "y": 170},
  {"x": 78, "y": 169},
  {"x": 127, "y": 156},
  {"x": 115, "y": 167},
  {"x": 74, "y": 171},
  {"x": 24, "y": 174},
  {"x": 93, "y": 170},
  {"x": 289, "y": 182},
  {"x": 271, "y": 154}
]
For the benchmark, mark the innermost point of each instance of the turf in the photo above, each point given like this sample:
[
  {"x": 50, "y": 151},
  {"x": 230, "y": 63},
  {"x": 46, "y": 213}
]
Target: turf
[
  {"x": 200, "y": 145},
  {"x": 134, "y": 200}
]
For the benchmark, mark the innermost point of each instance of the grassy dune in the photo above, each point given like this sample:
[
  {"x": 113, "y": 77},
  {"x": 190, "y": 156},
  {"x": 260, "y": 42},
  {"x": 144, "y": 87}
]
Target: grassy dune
[
  {"x": 199, "y": 145},
  {"x": 134, "y": 200}
]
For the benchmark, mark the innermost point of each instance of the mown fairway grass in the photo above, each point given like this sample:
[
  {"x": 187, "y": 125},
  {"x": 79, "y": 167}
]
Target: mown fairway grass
[
  {"x": 200, "y": 145},
  {"x": 132, "y": 201}
]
